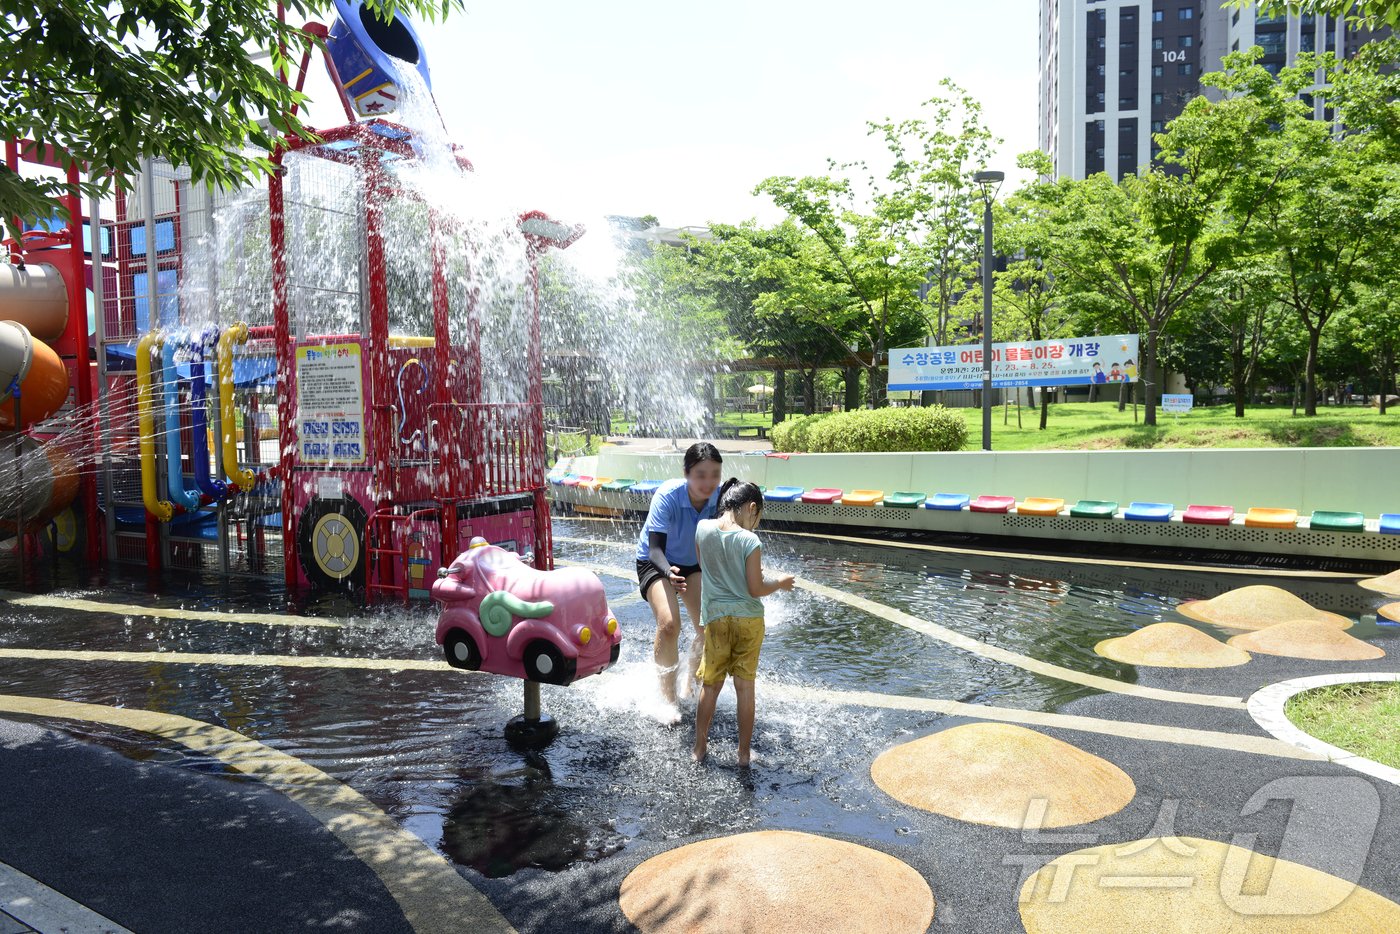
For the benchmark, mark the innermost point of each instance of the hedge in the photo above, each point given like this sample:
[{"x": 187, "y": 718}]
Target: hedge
[{"x": 934, "y": 428}]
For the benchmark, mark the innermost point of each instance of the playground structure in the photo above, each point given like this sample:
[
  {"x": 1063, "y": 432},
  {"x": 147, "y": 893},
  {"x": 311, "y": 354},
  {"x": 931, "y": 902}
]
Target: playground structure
[{"x": 279, "y": 383}]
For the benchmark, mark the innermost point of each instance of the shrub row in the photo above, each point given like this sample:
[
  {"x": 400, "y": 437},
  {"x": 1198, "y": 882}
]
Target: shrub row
[{"x": 867, "y": 430}]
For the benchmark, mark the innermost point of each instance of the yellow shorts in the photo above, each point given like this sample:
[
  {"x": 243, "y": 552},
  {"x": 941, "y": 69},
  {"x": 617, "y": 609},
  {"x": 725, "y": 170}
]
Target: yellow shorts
[{"x": 731, "y": 648}]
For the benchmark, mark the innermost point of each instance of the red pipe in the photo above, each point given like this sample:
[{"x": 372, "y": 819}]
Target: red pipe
[{"x": 286, "y": 374}]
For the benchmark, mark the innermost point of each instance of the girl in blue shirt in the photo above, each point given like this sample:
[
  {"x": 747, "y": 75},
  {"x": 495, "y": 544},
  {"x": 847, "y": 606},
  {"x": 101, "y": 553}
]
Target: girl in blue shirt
[{"x": 668, "y": 570}]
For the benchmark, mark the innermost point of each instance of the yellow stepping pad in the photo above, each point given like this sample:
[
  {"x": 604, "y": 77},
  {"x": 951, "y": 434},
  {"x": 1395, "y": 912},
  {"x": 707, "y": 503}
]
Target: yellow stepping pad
[
  {"x": 1003, "y": 775},
  {"x": 1388, "y": 585},
  {"x": 1307, "y": 639},
  {"x": 1257, "y": 607},
  {"x": 1172, "y": 645},
  {"x": 775, "y": 881},
  {"x": 1186, "y": 885}
]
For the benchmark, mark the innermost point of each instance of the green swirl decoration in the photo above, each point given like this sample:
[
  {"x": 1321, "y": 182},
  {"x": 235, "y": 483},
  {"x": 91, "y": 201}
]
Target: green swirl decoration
[{"x": 499, "y": 608}]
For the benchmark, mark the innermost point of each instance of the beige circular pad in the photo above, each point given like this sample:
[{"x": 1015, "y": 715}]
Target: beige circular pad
[
  {"x": 1255, "y": 608},
  {"x": 1188, "y": 885},
  {"x": 1390, "y": 611},
  {"x": 1307, "y": 639},
  {"x": 1003, "y": 775},
  {"x": 776, "y": 881},
  {"x": 1171, "y": 645},
  {"x": 1389, "y": 584}
]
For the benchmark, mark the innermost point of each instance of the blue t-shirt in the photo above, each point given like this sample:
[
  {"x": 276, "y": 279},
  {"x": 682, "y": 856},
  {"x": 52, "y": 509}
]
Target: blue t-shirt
[{"x": 672, "y": 513}]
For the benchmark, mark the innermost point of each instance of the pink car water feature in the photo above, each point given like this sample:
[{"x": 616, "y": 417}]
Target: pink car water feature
[{"x": 503, "y": 616}]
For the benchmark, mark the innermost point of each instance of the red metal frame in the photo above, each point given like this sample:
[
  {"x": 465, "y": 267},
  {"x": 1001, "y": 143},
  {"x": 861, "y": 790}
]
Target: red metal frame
[{"x": 72, "y": 344}]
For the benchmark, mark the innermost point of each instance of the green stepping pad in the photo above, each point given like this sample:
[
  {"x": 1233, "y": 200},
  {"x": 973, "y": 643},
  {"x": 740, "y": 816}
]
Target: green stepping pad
[
  {"x": 1094, "y": 509},
  {"x": 619, "y": 484},
  {"x": 1338, "y": 521},
  {"x": 905, "y": 500}
]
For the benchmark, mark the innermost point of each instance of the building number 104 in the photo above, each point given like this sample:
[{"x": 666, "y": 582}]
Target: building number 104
[{"x": 1178, "y": 55}]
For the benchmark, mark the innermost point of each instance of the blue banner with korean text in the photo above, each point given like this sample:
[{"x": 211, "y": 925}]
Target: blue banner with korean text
[{"x": 1068, "y": 361}]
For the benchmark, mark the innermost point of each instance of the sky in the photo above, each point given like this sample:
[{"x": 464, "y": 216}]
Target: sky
[{"x": 679, "y": 110}]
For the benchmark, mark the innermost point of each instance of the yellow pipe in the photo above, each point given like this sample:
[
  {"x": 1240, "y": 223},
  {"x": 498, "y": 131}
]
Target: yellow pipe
[
  {"x": 228, "y": 419},
  {"x": 156, "y": 506}
]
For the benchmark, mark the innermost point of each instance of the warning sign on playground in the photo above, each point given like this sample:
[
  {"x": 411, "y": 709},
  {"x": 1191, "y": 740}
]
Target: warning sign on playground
[{"x": 330, "y": 404}]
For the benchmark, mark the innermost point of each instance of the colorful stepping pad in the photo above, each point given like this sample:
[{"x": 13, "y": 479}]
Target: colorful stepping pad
[
  {"x": 1390, "y": 523},
  {"x": 1148, "y": 512},
  {"x": 1003, "y": 775},
  {"x": 1094, "y": 509},
  {"x": 1337, "y": 521},
  {"x": 1040, "y": 506},
  {"x": 1208, "y": 515},
  {"x": 1256, "y": 607},
  {"x": 862, "y": 498},
  {"x": 646, "y": 486},
  {"x": 1307, "y": 639},
  {"x": 905, "y": 500},
  {"x": 784, "y": 494},
  {"x": 574, "y": 479},
  {"x": 821, "y": 495},
  {"x": 1174, "y": 645},
  {"x": 1389, "y": 584},
  {"x": 775, "y": 881},
  {"x": 1186, "y": 884},
  {"x": 992, "y": 504},
  {"x": 950, "y": 501},
  {"x": 1269, "y": 517},
  {"x": 1390, "y": 611},
  {"x": 621, "y": 484},
  {"x": 594, "y": 484}
]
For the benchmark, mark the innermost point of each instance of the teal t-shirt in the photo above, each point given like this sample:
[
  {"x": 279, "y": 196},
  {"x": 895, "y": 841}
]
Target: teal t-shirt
[{"x": 724, "y": 589}]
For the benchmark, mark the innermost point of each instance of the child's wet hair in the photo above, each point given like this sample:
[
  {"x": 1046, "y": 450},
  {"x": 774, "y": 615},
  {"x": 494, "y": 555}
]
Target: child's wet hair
[
  {"x": 699, "y": 452},
  {"x": 735, "y": 494}
]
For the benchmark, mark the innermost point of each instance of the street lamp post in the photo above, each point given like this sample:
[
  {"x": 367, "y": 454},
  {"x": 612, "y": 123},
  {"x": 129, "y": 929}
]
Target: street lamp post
[{"x": 989, "y": 182}]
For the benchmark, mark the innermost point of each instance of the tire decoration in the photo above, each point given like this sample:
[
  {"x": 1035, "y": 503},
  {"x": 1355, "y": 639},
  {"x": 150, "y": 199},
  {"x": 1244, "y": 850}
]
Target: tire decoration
[
  {"x": 331, "y": 543},
  {"x": 461, "y": 651}
]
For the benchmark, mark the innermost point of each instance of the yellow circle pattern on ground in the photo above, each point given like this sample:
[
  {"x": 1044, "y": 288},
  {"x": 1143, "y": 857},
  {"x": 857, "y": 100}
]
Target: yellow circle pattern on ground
[
  {"x": 1256, "y": 607},
  {"x": 1003, "y": 775},
  {"x": 1189, "y": 885},
  {"x": 776, "y": 881},
  {"x": 1307, "y": 639},
  {"x": 1389, "y": 584},
  {"x": 1171, "y": 645}
]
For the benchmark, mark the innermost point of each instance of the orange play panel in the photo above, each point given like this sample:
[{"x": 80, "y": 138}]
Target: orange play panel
[
  {"x": 1040, "y": 506},
  {"x": 1266, "y": 517}
]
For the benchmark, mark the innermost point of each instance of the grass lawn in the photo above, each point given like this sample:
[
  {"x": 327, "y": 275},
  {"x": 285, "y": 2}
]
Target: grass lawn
[
  {"x": 1360, "y": 718},
  {"x": 1099, "y": 426}
]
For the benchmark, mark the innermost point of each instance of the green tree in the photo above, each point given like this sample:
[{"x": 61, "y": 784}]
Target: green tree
[
  {"x": 1326, "y": 204},
  {"x": 1151, "y": 241},
  {"x": 1363, "y": 12},
  {"x": 109, "y": 85},
  {"x": 846, "y": 276}
]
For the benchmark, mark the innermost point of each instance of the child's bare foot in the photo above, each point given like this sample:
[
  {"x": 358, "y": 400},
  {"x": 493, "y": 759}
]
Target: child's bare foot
[
  {"x": 697, "y": 755},
  {"x": 666, "y": 713},
  {"x": 746, "y": 760}
]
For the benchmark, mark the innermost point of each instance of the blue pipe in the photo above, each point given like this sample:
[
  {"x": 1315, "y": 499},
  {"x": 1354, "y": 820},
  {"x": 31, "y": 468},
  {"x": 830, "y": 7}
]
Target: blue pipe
[
  {"x": 199, "y": 424},
  {"x": 170, "y": 384}
]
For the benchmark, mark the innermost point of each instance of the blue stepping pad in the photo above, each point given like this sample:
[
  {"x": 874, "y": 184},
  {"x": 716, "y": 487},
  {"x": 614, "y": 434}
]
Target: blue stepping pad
[
  {"x": 646, "y": 486},
  {"x": 950, "y": 501},
  {"x": 784, "y": 494},
  {"x": 1390, "y": 523},
  {"x": 1148, "y": 512}
]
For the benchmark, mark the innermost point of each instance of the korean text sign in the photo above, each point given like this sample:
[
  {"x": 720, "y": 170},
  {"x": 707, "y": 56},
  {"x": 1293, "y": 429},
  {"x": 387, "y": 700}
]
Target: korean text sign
[{"x": 1068, "y": 361}]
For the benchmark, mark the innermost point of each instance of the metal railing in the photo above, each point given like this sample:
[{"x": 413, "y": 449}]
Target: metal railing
[{"x": 486, "y": 449}]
